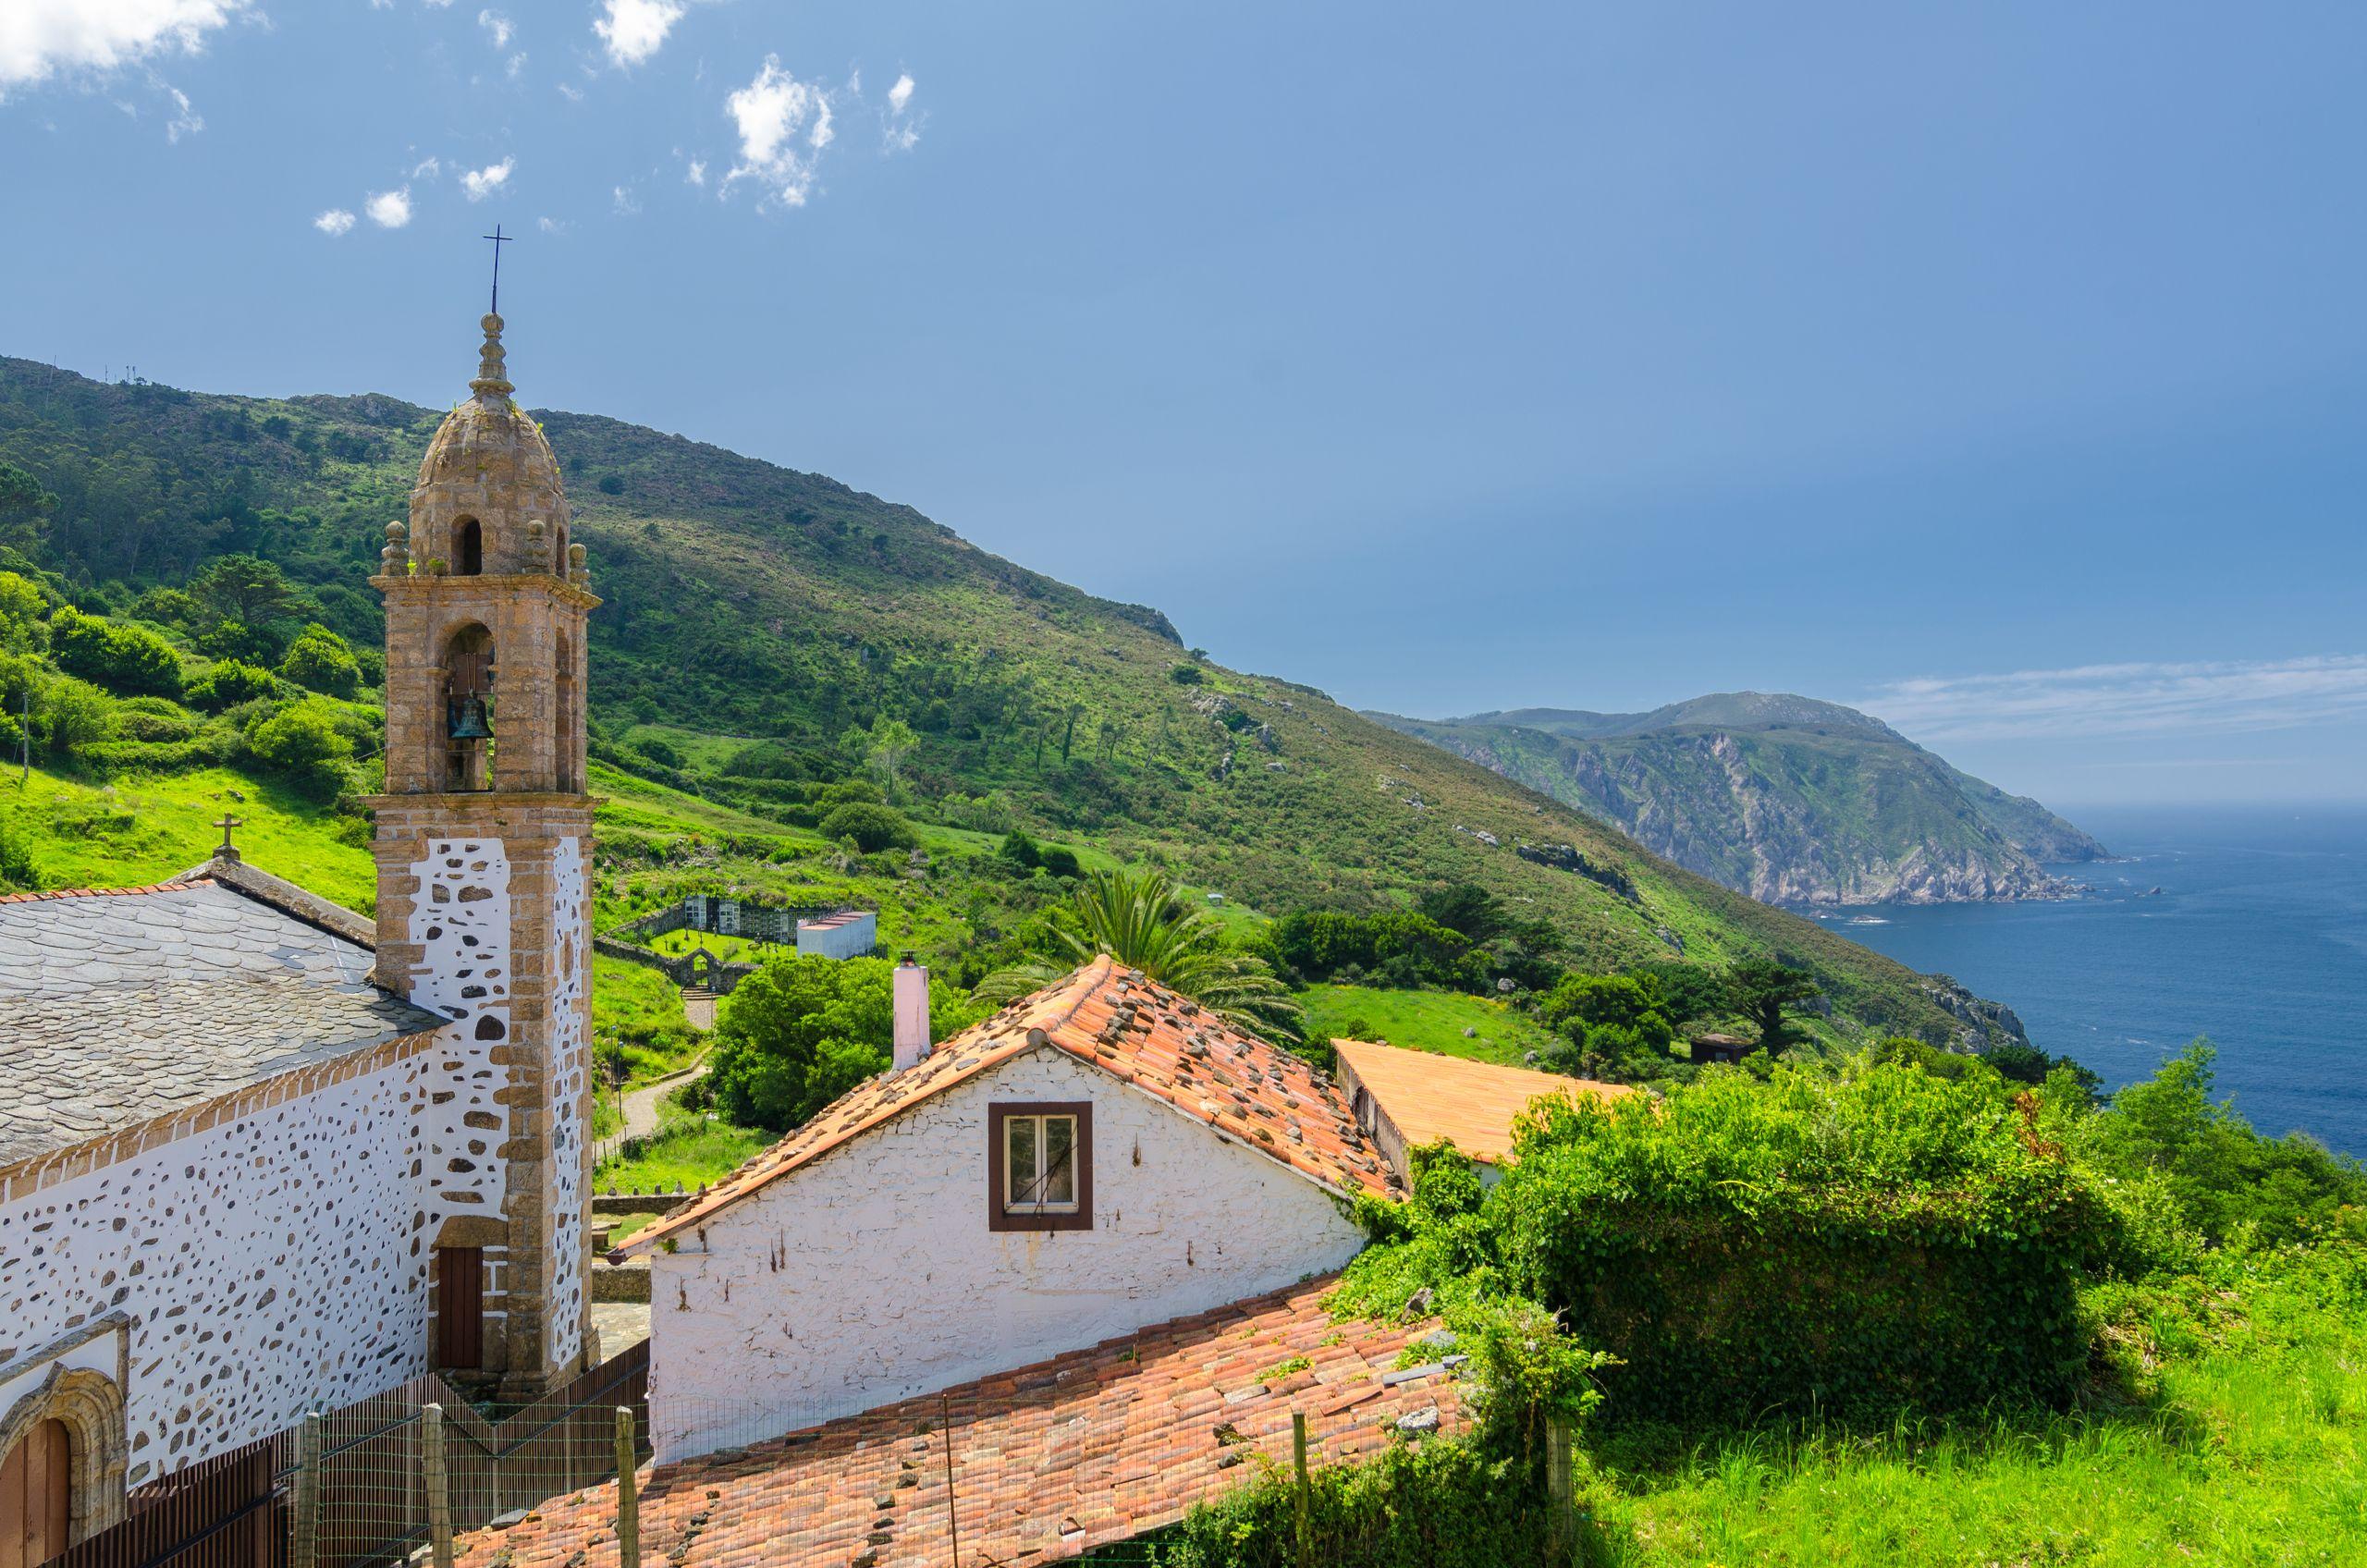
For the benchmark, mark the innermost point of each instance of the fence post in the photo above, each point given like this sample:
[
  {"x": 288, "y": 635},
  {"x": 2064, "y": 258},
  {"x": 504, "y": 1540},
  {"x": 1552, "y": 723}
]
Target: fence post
[
  {"x": 1561, "y": 1485},
  {"x": 1302, "y": 1490},
  {"x": 628, "y": 1504},
  {"x": 305, "y": 1543},
  {"x": 440, "y": 1494}
]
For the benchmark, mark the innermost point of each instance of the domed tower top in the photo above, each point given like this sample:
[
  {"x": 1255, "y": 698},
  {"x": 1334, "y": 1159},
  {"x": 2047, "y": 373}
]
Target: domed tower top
[{"x": 489, "y": 501}]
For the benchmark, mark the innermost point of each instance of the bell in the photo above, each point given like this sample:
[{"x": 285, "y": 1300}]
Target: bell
[{"x": 470, "y": 724}]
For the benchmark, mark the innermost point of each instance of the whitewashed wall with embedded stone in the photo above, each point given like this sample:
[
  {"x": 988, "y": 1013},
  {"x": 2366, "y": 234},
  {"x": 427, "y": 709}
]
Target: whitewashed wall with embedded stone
[
  {"x": 870, "y": 1275},
  {"x": 461, "y": 920},
  {"x": 270, "y": 1265},
  {"x": 571, "y": 1016}
]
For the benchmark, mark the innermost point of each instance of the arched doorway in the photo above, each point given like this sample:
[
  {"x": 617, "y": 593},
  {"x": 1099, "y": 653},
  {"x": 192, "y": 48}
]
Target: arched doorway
[{"x": 37, "y": 1495}]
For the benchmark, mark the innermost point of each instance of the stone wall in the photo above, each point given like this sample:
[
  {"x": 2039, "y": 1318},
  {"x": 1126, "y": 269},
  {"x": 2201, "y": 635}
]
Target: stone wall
[
  {"x": 267, "y": 1251},
  {"x": 871, "y": 1275}
]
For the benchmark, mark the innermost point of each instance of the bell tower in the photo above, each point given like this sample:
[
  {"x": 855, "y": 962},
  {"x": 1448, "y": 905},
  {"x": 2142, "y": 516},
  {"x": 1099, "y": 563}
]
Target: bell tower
[{"x": 484, "y": 848}]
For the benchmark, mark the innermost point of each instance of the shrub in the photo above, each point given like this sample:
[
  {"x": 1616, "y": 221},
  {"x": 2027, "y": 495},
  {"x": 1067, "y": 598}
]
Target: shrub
[
  {"x": 228, "y": 683},
  {"x": 1186, "y": 674},
  {"x": 1880, "y": 1241},
  {"x": 123, "y": 659},
  {"x": 75, "y": 714},
  {"x": 320, "y": 661},
  {"x": 21, "y": 603},
  {"x": 304, "y": 743},
  {"x": 870, "y": 827},
  {"x": 1401, "y": 947},
  {"x": 19, "y": 872},
  {"x": 167, "y": 606},
  {"x": 137, "y": 722},
  {"x": 1058, "y": 861},
  {"x": 1019, "y": 850}
]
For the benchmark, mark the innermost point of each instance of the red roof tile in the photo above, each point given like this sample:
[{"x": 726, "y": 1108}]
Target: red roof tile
[
  {"x": 1241, "y": 1087},
  {"x": 1042, "y": 1463}
]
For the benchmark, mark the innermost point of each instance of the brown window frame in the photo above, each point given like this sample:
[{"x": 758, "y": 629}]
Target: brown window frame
[{"x": 1002, "y": 1218}]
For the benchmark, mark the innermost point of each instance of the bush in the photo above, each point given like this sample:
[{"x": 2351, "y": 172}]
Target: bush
[
  {"x": 229, "y": 683},
  {"x": 21, "y": 603},
  {"x": 75, "y": 714},
  {"x": 1401, "y": 948},
  {"x": 870, "y": 827},
  {"x": 123, "y": 659},
  {"x": 1883, "y": 1240},
  {"x": 304, "y": 743},
  {"x": 1186, "y": 674},
  {"x": 167, "y": 606},
  {"x": 320, "y": 661},
  {"x": 19, "y": 872},
  {"x": 135, "y": 722}
]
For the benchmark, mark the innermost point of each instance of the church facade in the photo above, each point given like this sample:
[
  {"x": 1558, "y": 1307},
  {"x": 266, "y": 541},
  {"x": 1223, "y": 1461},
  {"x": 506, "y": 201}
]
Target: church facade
[{"x": 260, "y": 1154}]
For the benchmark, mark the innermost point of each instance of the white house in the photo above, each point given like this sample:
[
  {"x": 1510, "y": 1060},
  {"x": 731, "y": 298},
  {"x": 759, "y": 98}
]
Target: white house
[{"x": 1097, "y": 1157}]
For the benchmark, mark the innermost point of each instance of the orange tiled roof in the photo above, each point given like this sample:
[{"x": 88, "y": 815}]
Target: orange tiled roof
[
  {"x": 1241, "y": 1087},
  {"x": 1047, "y": 1462},
  {"x": 1428, "y": 1097}
]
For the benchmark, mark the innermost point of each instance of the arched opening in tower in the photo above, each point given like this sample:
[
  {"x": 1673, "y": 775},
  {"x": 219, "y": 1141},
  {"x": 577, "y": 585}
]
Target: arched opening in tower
[
  {"x": 569, "y": 772},
  {"x": 468, "y": 738},
  {"x": 468, "y": 549}
]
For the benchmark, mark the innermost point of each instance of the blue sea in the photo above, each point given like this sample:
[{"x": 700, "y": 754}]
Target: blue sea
[{"x": 2257, "y": 938}]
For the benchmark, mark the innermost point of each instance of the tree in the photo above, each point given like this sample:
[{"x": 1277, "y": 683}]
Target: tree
[
  {"x": 802, "y": 1031},
  {"x": 1461, "y": 906},
  {"x": 1136, "y": 918},
  {"x": 1764, "y": 990},
  {"x": 123, "y": 659},
  {"x": 891, "y": 740},
  {"x": 78, "y": 714},
  {"x": 24, "y": 507},
  {"x": 252, "y": 592},
  {"x": 21, "y": 628},
  {"x": 303, "y": 742}
]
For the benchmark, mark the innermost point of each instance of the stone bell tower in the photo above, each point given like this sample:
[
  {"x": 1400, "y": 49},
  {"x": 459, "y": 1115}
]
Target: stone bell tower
[{"x": 484, "y": 847}]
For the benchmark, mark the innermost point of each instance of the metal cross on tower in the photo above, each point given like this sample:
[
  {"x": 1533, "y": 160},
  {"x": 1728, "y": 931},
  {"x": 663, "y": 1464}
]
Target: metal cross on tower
[{"x": 499, "y": 240}]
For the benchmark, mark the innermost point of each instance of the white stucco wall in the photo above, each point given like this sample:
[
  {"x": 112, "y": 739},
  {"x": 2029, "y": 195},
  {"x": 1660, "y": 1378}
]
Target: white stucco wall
[
  {"x": 870, "y": 1275},
  {"x": 571, "y": 1036},
  {"x": 272, "y": 1263}
]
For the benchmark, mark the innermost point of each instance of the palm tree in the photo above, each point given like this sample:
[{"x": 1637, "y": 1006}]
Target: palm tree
[{"x": 1136, "y": 918}]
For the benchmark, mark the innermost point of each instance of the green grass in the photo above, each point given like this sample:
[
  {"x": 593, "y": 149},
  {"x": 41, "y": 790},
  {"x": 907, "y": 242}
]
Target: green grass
[
  {"x": 622, "y": 1226},
  {"x": 2249, "y": 1447},
  {"x": 137, "y": 830},
  {"x": 1432, "y": 1020},
  {"x": 685, "y": 1154},
  {"x": 731, "y": 950}
]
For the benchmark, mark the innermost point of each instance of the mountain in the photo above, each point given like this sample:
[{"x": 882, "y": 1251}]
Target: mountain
[
  {"x": 1788, "y": 798},
  {"x": 754, "y": 614}
]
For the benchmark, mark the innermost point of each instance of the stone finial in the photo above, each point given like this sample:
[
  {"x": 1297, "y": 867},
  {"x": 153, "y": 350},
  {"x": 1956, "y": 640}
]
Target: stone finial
[
  {"x": 577, "y": 572},
  {"x": 395, "y": 560},
  {"x": 493, "y": 375}
]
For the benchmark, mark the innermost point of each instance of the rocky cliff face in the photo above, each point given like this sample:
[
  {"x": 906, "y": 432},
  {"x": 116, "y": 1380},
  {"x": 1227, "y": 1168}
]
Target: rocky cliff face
[{"x": 1793, "y": 811}]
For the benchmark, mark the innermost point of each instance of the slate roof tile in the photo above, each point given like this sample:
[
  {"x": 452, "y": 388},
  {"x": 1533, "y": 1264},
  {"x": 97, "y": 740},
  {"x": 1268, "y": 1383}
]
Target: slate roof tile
[{"x": 117, "y": 1005}]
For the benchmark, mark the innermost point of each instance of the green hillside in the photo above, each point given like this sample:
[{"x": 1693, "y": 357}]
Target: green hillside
[
  {"x": 755, "y": 615},
  {"x": 1788, "y": 798}
]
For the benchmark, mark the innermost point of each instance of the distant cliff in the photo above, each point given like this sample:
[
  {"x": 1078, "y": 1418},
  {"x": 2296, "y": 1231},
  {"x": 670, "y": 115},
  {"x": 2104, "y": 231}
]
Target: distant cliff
[{"x": 1790, "y": 800}]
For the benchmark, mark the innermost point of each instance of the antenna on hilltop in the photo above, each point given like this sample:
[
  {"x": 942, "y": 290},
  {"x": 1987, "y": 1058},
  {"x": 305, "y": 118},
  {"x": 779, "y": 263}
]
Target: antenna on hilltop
[{"x": 499, "y": 240}]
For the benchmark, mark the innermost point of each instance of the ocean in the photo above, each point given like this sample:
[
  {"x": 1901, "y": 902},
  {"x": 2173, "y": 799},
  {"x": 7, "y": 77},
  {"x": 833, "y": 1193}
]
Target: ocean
[{"x": 2257, "y": 938}]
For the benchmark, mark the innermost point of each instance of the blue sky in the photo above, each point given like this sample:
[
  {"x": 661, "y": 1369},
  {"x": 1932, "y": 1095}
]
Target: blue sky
[{"x": 1999, "y": 369}]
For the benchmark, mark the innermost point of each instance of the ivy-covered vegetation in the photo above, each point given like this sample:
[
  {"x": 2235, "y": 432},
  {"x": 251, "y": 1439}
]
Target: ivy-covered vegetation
[{"x": 802, "y": 1031}]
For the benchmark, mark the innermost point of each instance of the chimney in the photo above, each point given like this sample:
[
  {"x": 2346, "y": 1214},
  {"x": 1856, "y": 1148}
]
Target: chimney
[{"x": 911, "y": 1013}]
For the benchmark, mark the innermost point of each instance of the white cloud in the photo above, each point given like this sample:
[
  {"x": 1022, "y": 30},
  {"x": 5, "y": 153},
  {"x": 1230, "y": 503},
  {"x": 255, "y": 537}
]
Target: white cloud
[
  {"x": 625, "y": 203},
  {"x": 2128, "y": 699},
  {"x": 40, "y": 39},
  {"x": 500, "y": 26},
  {"x": 517, "y": 63},
  {"x": 427, "y": 168},
  {"x": 696, "y": 172},
  {"x": 553, "y": 225},
  {"x": 784, "y": 124},
  {"x": 635, "y": 30},
  {"x": 572, "y": 94},
  {"x": 901, "y": 128},
  {"x": 389, "y": 209},
  {"x": 186, "y": 121},
  {"x": 478, "y": 184},
  {"x": 334, "y": 222},
  {"x": 900, "y": 96}
]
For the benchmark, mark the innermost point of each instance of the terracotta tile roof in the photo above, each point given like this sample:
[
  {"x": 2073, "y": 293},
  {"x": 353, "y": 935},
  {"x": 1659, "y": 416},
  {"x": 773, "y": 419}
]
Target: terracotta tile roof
[
  {"x": 1047, "y": 1461},
  {"x": 1241, "y": 1087},
  {"x": 1427, "y": 1095}
]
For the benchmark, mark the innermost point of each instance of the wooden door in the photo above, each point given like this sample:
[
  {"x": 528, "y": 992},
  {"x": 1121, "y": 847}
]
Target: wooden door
[
  {"x": 459, "y": 1308},
  {"x": 36, "y": 1480}
]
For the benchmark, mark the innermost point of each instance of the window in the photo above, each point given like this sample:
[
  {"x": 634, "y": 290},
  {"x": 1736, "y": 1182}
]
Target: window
[{"x": 1039, "y": 1167}]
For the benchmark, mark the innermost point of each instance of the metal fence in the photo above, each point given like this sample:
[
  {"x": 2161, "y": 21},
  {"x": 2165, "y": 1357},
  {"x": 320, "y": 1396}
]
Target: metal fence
[{"x": 225, "y": 1513}]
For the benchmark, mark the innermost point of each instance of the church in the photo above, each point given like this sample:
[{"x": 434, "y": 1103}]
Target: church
[{"x": 260, "y": 1154}]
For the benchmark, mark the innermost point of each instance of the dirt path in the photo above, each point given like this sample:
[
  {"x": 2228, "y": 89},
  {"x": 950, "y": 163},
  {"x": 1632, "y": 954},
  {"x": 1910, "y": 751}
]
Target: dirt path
[{"x": 641, "y": 1104}]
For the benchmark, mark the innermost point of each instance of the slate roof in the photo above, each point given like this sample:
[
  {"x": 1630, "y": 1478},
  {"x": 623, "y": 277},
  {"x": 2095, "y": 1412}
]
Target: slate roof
[
  {"x": 1427, "y": 1095},
  {"x": 120, "y": 1005},
  {"x": 1242, "y": 1087},
  {"x": 1047, "y": 1462}
]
